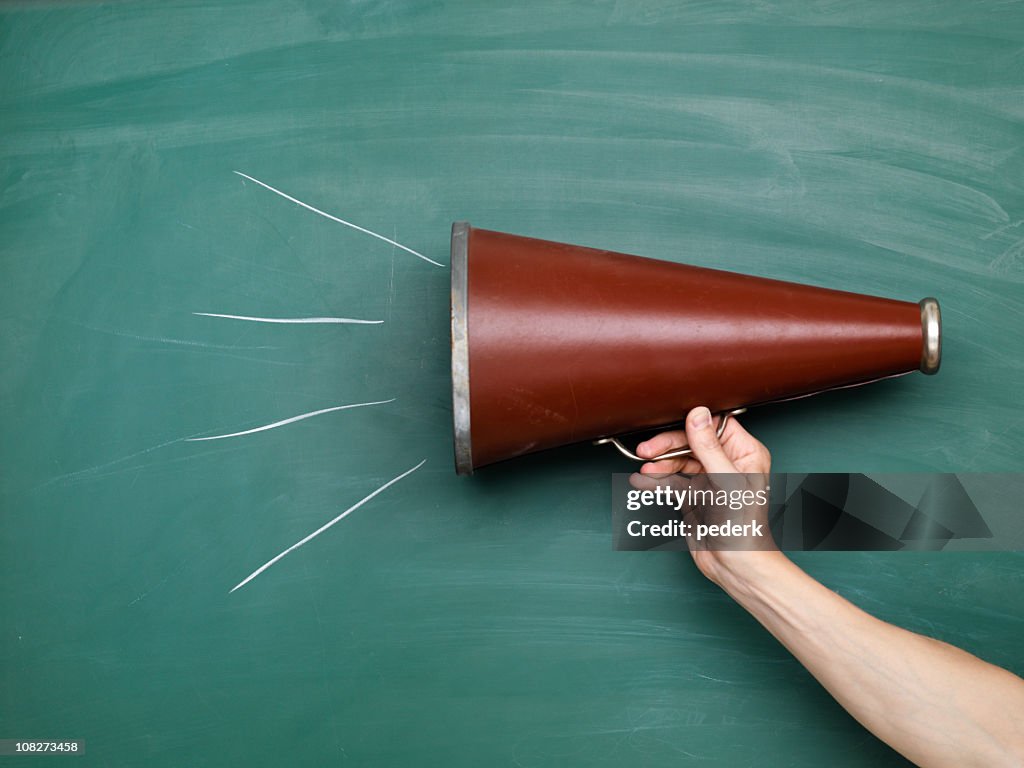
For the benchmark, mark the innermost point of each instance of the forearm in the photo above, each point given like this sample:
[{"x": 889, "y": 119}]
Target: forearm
[{"x": 935, "y": 704}]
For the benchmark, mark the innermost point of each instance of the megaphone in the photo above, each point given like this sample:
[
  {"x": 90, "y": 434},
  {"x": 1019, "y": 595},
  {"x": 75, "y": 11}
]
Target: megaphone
[{"x": 555, "y": 344}]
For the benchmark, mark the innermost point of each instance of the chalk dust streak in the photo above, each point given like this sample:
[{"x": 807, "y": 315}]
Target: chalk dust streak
[
  {"x": 290, "y": 319},
  {"x": 291, "y": 420},
  {"x": 356, "y": 227},
  {"x": 324, "y": 527}
]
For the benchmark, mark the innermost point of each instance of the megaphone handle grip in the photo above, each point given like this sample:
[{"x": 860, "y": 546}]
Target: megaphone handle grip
[{"x": 676, "y": 454}]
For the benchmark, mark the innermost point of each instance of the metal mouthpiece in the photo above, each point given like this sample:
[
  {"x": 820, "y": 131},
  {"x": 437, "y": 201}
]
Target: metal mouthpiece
[{"x": 931, "y": 331}]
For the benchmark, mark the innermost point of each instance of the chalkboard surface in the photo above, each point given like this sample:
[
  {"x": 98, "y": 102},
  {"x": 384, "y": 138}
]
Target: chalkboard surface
[{"x": 875, "y": 147}]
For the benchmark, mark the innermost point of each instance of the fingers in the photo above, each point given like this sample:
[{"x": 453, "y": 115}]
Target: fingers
[
  {"x": 748, "y": 453},
  {"x": 663, "y": 443},
  {"x": 737, "y": 451},
  {"x": 700, "y": 433},
  {"x": 666, "y": 441},
  {"x": 666, "y": 467},
  {"x": 687, "y": 466}
]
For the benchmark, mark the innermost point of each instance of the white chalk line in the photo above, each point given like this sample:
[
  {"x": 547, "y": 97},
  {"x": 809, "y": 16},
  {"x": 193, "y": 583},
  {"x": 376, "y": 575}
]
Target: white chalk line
[
  {"x": 290, "y": 319},
  {"x": 324, "y": 527},
  {"x": 326, "y": 215},
  {"x": 94, "y": 470},
  {"x": 291, "y": 420}
]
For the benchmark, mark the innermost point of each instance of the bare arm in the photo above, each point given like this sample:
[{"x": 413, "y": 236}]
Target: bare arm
[{"x": 935, "y": 704}]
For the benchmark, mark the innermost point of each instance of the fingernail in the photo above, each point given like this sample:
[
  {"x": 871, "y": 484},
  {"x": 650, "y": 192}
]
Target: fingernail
[{"x": 701, "y": 417}]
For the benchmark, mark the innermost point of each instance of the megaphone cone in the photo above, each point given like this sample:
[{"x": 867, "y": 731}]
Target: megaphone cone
[{"x": 555, "y": 344}]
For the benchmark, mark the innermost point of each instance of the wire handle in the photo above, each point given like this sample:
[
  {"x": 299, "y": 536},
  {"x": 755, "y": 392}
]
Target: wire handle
[{"x": 676, "y": 454}]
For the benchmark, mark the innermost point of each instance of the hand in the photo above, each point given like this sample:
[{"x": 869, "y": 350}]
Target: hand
[{"x": 737, "y": 452}]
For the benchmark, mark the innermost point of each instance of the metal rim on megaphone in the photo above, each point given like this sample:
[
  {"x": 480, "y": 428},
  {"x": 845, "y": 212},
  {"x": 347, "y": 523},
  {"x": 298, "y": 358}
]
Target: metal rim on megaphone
[{"x": 460, "y": 348}]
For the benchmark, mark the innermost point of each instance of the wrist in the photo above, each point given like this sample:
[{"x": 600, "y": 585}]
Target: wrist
[
  {"x": 745, "y": 572},
  {"x": 776, "y": 592}
]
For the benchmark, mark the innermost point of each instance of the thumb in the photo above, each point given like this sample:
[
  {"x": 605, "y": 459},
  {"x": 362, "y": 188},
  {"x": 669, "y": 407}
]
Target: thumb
[{"x": 700, "y": 433}]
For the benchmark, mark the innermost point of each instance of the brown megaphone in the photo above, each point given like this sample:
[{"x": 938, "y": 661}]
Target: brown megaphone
[{"x": 554, "y": 344}]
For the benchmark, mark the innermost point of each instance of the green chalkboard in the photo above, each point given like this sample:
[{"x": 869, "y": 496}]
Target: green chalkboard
[{"x": 875, "y": 147}]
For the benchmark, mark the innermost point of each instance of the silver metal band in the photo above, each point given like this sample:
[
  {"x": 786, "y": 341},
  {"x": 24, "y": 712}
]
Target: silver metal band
[
  {"x": 931, "y": 332},
  {"x": 460, "y": 348}
]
